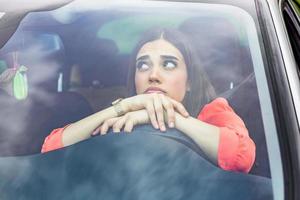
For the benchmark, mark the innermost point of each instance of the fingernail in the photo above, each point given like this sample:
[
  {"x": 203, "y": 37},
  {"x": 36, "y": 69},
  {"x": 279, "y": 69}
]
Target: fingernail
[
  {"x": 163, "y": 128},
  {"x": 171, "y": 125}
]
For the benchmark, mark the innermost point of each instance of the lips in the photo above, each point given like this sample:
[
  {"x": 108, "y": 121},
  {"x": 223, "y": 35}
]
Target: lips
[{"x": 154, "y": 90}]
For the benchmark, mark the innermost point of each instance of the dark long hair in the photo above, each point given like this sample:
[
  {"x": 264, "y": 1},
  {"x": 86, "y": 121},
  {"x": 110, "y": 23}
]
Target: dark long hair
[{"x": 201, "y": 90}]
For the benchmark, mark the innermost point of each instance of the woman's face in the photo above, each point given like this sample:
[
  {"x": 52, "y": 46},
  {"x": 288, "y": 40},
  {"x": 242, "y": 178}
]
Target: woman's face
[{"x": 160, "y": 68}]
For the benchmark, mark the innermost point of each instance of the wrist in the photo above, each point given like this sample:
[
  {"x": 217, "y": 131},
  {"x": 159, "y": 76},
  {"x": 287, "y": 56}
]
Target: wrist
[
  {"x": 178, "y": 118},
  {"x": 118, "y": 107},
  {"x": 126, "y": 105}
]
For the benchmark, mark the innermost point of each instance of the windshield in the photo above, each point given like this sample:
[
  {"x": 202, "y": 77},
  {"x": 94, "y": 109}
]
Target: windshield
[{"x": 62, "y": 66}]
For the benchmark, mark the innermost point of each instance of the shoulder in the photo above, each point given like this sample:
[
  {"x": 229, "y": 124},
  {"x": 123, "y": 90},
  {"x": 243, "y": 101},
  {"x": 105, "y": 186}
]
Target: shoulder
[
  {"x": 218, "y": 112},
  {"x": 217, "y": 105}
]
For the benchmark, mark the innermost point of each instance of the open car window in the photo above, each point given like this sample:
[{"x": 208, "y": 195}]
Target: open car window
[{"x": 77, "y": 59}]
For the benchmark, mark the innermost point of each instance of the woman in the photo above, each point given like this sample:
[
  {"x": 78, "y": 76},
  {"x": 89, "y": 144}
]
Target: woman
[{"x": 165, "y": 72}]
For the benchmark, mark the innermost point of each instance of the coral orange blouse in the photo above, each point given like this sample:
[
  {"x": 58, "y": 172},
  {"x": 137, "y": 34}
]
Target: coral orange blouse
[{"x": 236, "y": 149}]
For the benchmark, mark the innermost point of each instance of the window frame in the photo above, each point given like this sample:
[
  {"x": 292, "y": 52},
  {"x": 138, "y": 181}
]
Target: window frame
[{"x": 282, "y": 85}]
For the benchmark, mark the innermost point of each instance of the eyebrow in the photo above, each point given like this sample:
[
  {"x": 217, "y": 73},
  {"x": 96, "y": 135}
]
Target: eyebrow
[
  {"x": 143, "y": 58},
  {"x": 169, "y": 57}
]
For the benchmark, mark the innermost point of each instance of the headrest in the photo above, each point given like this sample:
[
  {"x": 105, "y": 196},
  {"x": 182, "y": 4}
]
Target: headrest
[{"x": 220, "y": 50}]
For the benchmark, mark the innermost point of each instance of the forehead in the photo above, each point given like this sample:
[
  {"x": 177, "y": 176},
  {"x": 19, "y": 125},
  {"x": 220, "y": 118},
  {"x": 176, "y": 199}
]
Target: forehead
[{"x": 159, "y": 47}]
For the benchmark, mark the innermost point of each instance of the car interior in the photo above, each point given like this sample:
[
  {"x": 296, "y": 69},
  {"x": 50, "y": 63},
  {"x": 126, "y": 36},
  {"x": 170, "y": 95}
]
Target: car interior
[{"x": 79, "y": 67}]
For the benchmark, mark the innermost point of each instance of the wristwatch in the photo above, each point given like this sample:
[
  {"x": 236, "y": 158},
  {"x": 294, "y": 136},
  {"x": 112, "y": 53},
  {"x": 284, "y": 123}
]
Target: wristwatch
[{"x": 117, "y": 106}]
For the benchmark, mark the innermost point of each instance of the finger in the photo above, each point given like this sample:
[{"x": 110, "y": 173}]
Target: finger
[
  {"x": 104, "y": 128},
  {"x": 96, "y": 131},
  {"x": 151, "y": 113},
  {"x": 117, "y": 126},
  {"x": 180, "y": 108},
  {"x": 159, "y": 112},
  {"x": 107, "y": 124},
  {"x": 168, "y": 105},
  {"x": 128, "y": 126}
]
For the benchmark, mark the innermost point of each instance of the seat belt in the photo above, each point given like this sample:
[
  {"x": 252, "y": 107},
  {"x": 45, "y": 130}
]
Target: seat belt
[{"x": 228, "y": 94}]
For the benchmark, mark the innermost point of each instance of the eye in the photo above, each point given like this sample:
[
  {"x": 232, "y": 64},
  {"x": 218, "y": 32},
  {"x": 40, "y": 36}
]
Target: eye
[
  {"x": 142, "y": 66},
  {"x": 169, "y": 64}
]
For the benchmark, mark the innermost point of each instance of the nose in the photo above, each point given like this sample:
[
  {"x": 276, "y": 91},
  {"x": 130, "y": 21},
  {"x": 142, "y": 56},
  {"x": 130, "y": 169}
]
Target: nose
[{"x": 155, "y": 75}]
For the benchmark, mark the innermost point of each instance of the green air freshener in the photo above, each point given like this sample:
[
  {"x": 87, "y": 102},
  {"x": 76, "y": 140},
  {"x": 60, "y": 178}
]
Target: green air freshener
[{"x": 20, "y": 84}]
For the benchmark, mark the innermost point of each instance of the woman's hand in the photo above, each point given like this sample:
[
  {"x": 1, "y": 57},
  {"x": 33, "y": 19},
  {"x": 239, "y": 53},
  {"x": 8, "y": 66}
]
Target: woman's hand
[
  {"x": 128, "y": 121},
  {"x": 155, "y": 104}
]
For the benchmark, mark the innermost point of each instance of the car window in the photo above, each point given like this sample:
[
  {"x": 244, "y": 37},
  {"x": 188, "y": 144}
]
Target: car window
[
  {"x": 291, "y": 13},
  {"x": 77, "y": 59}
]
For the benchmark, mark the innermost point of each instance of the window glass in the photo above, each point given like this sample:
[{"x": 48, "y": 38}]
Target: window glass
[
  {"x": 296, "y": 4},
  {"x": 291, "y": 17},
  {"x": 78, "y": 57}
]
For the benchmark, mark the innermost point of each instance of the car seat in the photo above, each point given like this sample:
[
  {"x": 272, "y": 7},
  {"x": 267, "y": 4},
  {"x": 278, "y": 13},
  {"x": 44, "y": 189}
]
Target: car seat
[{"x": 102, "y": 73}]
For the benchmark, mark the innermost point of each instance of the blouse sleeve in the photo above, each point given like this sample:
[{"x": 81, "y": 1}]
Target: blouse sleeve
[
  {"x": 236, "y": 150},
  {"x": 54, "y": 140}
]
